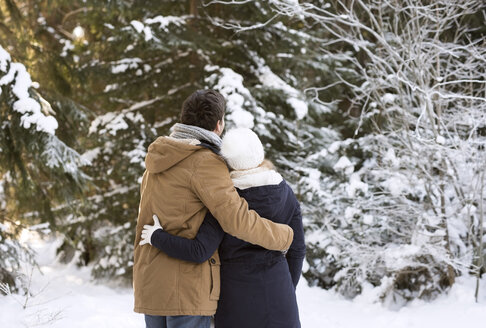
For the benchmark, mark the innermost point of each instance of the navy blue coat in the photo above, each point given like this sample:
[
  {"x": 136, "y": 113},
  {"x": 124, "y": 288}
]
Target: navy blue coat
[{"x": 257, "y": 285}]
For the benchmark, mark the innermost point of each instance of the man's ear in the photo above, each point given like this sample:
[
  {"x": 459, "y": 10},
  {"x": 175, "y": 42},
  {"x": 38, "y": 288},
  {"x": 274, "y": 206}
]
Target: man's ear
[{"x": 219, "y": 128}]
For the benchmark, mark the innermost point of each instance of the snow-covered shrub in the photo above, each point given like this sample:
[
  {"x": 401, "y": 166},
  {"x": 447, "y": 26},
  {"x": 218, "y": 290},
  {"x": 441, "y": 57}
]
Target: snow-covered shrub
[
  {"x": 115, "y": 259},
  {"x": 403, "y": 214},
  {"x": 12, "y": 254}
]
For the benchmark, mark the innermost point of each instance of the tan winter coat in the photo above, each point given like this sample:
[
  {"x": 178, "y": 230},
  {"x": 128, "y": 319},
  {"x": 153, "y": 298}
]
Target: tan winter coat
[{"x": 181, "y": 183}]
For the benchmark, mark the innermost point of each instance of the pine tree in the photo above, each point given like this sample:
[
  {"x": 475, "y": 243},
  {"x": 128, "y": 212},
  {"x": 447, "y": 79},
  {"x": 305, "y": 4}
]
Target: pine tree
[
  {"x": 37, "y": 170},
  {"x": 119, "y": 71}
]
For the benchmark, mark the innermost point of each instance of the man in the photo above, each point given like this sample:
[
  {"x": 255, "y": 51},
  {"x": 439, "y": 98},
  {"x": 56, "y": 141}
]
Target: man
[{"x": 185, "y": 178}]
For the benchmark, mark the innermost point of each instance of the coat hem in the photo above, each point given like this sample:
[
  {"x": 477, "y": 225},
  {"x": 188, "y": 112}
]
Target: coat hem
[{"x": 174, "y": 312}]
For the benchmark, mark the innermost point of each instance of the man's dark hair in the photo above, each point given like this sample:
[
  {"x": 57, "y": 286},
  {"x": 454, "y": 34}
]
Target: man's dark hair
[{"x": 203, "y": 108}]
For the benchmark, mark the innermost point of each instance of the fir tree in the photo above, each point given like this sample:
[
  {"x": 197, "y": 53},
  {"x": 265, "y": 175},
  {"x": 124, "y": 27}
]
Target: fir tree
[{"x": 37, "y": 170}]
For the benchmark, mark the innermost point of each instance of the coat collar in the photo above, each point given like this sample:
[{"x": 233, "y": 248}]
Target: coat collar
[{"x": 257, "y": 177}]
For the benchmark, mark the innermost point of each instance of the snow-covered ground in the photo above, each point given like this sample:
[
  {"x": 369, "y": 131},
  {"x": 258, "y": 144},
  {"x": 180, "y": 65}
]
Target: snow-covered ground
[{"x": 66, "y": 297}]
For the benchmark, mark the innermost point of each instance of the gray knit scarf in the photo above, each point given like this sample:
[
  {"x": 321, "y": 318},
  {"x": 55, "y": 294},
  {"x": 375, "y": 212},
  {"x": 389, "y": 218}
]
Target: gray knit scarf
[{"x": 184, "y": 131}]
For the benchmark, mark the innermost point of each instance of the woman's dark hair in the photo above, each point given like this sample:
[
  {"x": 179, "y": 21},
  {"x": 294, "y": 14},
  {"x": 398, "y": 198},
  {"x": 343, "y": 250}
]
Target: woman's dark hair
[{"x": 203, "y": 108}]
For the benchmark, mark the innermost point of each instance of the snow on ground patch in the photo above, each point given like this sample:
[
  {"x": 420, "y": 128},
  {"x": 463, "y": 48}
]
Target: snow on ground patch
[
  {"x": 67, "y": 293},
  {"x": 82, "y": 303},
  {"x": 321, "y": 308}
]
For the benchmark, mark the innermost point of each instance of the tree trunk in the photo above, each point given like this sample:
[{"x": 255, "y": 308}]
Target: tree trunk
[
  {"x": 193, "y": 6},
  {"x": 481, "y": 233}
]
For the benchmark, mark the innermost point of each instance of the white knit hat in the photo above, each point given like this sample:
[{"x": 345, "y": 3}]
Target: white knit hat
[{"x": 242, "y": 149}]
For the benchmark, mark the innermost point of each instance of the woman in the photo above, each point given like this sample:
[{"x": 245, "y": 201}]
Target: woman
[{"x": 257, "y": 285}]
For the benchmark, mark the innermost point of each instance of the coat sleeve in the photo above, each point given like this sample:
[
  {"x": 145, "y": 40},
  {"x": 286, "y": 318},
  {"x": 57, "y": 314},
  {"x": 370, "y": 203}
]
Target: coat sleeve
[
  {"x": 296, "y": 254},
  {"x": 213, "y": 186},
  {"x": 198, "y": 249}
]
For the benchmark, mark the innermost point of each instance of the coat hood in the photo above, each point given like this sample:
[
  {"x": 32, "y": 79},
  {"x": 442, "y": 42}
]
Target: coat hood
[{"x": 165, "y": 152}]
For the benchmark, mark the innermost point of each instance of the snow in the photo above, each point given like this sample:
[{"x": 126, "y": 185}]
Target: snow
[
  {"x": 355, "y": 184},
  {"x": 320, "y": 308},
  {"x": 78, "y": 32},
  {"x": 368, "y": 219},
  {"x": 90, "y": 155},
  {"x": 311, "y": 178},
  {"x": 110, "y": 87},
  {"x": 398, "y": 257},
  {"x": 113, "y": 122},
  {"x": 69, "y": 292},
  {"x": 137, "y": 155},
  {"x": 148, "y": 33},
  {"x": 391, "y": 158},
  {"x": 230, "y": 85},
  {"x": 30, "y": 108},
  {"x": 32, "y": 115},
  {"x": 344, "y": 165},
  {"x": 165, "y": 21},
  {"x": 334, "y": 147},
  {"x": 299, "y": 106},
  {"x": 41, "y": 20},
  {"x": 351, "y": 213},
  {"x": 120, "y": 66},
  {"x": 242, "y": 118},
  {"x": 68, "y": 45},
  {"x": 271, "y": 80},
  {"x": 140, "y": 27},
  {"x": 27, "y": 105},
  {"x": 4, "y": 59},
  {"x": 58, "y": 155},
  {"x": 396, "y": 184},
  {"x": 440, "y": 140}
]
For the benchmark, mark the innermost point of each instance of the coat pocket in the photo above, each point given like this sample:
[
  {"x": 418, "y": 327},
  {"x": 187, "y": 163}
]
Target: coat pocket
[{"x": 215, "y": 266}]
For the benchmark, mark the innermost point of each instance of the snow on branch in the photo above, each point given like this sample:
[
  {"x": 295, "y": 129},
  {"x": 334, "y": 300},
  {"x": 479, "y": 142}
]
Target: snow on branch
[{"x": 32, "y": 111}]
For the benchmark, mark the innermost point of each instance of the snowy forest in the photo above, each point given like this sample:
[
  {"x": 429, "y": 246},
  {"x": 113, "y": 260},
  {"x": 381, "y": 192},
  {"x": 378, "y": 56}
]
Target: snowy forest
[{"x": 374, "y": 111}]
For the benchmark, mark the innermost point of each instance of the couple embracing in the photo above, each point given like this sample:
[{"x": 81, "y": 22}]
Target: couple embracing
[{"x": 230, "y": 241}]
